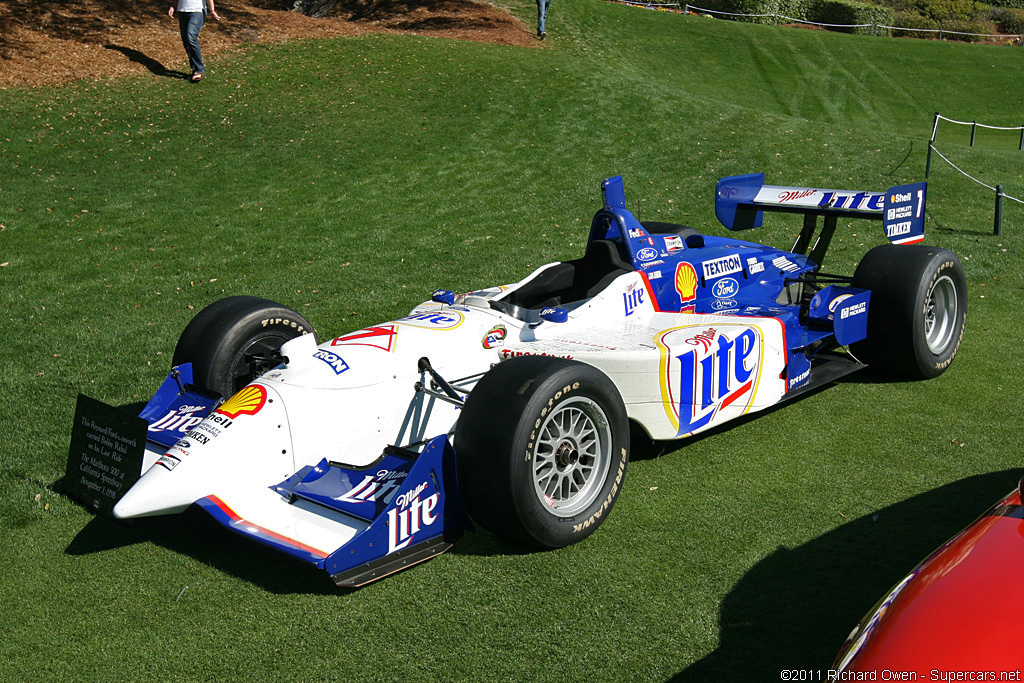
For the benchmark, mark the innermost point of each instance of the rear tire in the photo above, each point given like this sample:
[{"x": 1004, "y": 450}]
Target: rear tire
[
  {"x": 917, "y": 310},
  {"x": 542, "y": 447},
  {"x": 231, "y": 342}
]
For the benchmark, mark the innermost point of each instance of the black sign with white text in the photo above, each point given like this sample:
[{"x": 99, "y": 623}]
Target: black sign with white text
[{"x": 105, "y": 458}]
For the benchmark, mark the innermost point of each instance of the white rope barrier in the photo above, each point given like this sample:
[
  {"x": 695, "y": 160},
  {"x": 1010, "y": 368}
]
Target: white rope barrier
[
  {"x": 970, "y": 176},
  {"x": 729, "y": 14},
  {"x": 975, "y": 123},
  {"x": 815, "y": 23},
  {"x": 940, "y": 31}
]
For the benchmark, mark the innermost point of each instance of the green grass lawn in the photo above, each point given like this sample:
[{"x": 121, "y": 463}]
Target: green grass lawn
[{"x": 349, "y": 178}]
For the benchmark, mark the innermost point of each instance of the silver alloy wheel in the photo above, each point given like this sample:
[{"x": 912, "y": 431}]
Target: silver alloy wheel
[
  {"x": 940, "y": 309},
  {"x": 572, "y": 455}
]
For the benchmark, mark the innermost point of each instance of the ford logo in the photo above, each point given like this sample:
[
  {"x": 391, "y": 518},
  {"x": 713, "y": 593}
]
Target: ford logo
[
  {"x": 647, "y": 253},
  {"x": 726, "y": 288}
]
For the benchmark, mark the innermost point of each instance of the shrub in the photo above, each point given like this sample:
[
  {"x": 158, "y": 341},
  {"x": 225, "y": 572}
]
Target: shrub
[{"x": 1009, "y": 19}]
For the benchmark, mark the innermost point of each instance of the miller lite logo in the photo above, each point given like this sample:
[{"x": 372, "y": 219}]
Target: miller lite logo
[
  {"x": 413, "y": 512},
  {"x": 632, "y": 298},
  {"x": 711, "y": 373}
]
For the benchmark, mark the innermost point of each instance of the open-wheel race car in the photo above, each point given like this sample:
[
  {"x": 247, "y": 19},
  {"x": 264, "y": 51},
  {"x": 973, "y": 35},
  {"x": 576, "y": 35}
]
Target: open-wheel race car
[{"x": 512, "y": 406}]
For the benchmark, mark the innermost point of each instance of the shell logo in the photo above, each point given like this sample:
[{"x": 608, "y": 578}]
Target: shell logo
[
  {"x": 686, "y": 282},
  {"x": 248, "y": 401}
]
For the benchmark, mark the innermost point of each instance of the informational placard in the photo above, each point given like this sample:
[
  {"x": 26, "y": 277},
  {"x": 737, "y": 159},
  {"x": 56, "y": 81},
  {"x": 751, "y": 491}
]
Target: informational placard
[{"x": 105, "y": 458}]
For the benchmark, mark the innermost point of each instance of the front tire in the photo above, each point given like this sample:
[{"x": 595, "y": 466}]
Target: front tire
[
  {"x": 917, "y": 311},
  {"x": 542, "y": 447},
  {"x": 233, "y": 341}
]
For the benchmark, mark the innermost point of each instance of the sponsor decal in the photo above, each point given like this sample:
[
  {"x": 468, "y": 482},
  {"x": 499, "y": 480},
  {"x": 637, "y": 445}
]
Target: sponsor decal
[
  {"x": 868, "y": 201},
  {"x": 754, "y": 266},
  {"x": 709, "y": 371},
  {"x": 793, "y": 195},
  {"x": 723, "y": 304},
  {"x": 726, "y": 288},
  {"x": 856, "y": 309},
  {"x": 379, "y": 336},
  {"x": 180, "y": 420},
  {"x": 375, "y": 487},
  {"x": 410, "y": 515},
  {"x": 654, "y": 275},
  {"x": 634, "y": 233},
  {"x": 332, "y": 360},
  {"x": 632, "y": 298},
  {"x": 799, "y": 379},
  {"x": 722, "y": 266},
  {"x": 784, "y": 264},
  {"x": 647, "y": 253},
  {"x": 448, "y": 319},
  {"x": 651, "y": 264},
  {"x": 505, "y": 353},
  {"x": 495, "y": 337},
  {"x": 168, "y": 461},
  {"x": 897, "y": 229},
  {"x": 674, "y": 243},
  {"x": 249, "y": 401},
  {"x": 686, "y": 282},
  {"x": 834, "y": 304}
]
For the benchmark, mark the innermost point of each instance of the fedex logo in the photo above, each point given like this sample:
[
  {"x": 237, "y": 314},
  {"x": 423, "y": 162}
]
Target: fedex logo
[
  {"x": 410, "y": 516},
  {"x": 716, "y": 371},
  {"x": 634, "y": 233}
]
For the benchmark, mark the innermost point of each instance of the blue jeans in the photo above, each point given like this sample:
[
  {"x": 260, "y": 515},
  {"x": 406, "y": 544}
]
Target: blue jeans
[
  {"x": 542, "y": 14},
  {"x": 190, "y": 23}
]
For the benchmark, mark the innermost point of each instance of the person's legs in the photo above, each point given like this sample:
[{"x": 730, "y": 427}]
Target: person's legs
[
  {"x": 542, "y": 13},
  {"x": 190, "y": 23}
]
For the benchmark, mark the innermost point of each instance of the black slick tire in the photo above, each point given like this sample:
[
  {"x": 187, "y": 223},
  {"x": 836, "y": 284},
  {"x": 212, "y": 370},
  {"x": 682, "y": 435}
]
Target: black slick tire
[
  {"x": 542, "y": 447},
  {"x": 233, "y": 341},
  {"x": 917, "y": 311}
]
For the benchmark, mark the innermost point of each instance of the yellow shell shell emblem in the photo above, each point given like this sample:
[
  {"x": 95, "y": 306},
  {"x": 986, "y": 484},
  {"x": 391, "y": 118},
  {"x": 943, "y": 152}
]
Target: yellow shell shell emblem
[
  {"x": 248, "y": 401},
  {"x": 686, "y": 282}
]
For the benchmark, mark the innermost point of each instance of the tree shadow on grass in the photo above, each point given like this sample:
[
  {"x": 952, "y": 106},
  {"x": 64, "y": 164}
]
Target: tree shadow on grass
[{"x": 794, "y": 608}]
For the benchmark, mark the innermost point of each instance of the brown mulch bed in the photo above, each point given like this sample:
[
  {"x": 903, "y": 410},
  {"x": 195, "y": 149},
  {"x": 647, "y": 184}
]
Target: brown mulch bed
[{"x": 50, "y": 42}]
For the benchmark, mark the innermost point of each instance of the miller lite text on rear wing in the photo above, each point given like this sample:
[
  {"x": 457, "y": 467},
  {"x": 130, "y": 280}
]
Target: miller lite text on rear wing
[{"x": 740, "y": 203}]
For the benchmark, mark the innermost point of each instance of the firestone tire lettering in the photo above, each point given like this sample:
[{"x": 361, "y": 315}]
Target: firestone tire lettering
[{"x": 543, "y": 464}]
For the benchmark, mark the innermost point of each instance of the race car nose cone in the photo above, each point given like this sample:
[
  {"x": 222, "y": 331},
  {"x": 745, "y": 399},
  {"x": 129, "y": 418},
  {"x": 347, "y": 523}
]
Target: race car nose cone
[{"x": 152, "y": 495}]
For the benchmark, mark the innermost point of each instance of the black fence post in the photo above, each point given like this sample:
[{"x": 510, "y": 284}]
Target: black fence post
[
  {"x": 974, "y": 132},
  {"x": 997, "y": 222}
]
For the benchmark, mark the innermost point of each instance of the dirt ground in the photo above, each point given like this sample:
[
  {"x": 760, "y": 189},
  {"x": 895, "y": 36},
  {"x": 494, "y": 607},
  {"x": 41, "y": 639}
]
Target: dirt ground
[{"x": 49, "y": 42}]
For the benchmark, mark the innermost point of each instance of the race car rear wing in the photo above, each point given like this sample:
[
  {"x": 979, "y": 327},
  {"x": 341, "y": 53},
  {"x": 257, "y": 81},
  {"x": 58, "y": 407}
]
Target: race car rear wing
[{"x": 740, "y": 203}]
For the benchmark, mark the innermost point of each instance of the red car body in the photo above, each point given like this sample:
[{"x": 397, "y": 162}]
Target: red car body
[{"x": 958, "y": 613}]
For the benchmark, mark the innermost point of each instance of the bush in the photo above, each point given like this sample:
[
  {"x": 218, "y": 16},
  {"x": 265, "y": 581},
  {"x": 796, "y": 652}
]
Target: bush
[
  {"x": 1009, "y": 20},
  {"x": 850, "y": 12},
  {"x": 819, "y": 11}
]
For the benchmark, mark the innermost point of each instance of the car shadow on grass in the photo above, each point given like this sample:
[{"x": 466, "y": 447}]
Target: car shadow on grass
[
  {"x": 195, "y": 534},
  {"x": 795, "y": 608}
]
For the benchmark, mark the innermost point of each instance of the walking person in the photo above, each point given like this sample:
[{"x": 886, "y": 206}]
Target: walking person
[
  {"x": 191, "y": 15},
  {"x": 542, "y": 14}
]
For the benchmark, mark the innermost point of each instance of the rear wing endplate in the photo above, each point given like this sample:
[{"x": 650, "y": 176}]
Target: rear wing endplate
[{"x": 740, "y": 203}]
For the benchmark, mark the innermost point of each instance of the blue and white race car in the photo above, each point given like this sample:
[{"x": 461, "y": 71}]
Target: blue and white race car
[{"x": 512, "y": 406}]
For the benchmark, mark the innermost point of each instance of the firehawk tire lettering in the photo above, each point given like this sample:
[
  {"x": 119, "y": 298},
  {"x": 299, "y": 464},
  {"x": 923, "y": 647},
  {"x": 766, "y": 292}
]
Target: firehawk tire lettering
[{"x": 533, "y": 463}]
